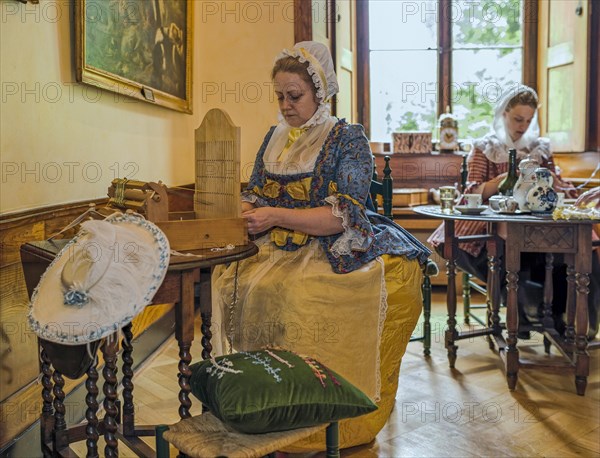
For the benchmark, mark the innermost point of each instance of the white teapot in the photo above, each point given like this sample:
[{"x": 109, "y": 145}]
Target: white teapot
[{"x": 527, "y": 179}]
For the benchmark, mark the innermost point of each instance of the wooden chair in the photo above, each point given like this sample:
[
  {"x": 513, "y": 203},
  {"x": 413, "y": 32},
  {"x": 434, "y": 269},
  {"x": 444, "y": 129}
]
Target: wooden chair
[
  {"x": 385, "y": 188},
  {"x": 468, "y": 283}
]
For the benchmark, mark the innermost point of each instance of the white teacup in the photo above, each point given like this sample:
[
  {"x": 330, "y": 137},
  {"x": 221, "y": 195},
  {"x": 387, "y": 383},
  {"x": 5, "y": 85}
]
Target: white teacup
[
  {"x": 509, "y": 205},
  {"x": 494, "y": 202},
  {"x": 472, "y": 200}
]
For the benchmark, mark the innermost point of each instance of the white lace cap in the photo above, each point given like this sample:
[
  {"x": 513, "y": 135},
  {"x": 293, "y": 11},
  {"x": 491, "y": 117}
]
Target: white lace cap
[
  {"x": 321, "y": 70},
  {"x": 320, "y": 66},
  {"x": 100, "y": 280}
]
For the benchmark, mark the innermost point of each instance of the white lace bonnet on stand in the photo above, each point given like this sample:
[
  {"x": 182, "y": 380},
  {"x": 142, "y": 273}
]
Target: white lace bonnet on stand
[{"x": 100, "y": 280}]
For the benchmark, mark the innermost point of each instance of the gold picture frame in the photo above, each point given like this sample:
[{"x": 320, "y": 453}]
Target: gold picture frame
[{"x": 137, "y": 48}]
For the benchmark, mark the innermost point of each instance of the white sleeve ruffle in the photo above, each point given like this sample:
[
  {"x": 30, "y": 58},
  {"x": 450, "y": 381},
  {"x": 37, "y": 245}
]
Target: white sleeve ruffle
[
  {"x": 351, "y": 240},
  {"x": 252, "y": 198}
]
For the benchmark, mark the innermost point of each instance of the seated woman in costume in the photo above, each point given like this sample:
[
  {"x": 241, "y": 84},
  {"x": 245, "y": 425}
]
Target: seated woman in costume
[
  {"x": 515, "y": 126},
  {"x": 331, "y": 280}
]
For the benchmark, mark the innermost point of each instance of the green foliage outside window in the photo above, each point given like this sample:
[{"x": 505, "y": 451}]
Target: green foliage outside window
[{"x": 486, "y": 60}]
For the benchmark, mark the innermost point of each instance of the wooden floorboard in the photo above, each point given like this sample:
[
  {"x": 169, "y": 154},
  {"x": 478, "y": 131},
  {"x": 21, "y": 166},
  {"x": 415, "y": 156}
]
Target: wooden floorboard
[{"x": 461, "y": 412}]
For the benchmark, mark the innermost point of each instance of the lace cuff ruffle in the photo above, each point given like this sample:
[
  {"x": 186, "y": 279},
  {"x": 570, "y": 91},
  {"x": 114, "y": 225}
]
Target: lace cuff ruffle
[
  {"x": 249, "y": 198},
  {"x": 352, "y": 239},
  {"x": 252, "y": 198}
]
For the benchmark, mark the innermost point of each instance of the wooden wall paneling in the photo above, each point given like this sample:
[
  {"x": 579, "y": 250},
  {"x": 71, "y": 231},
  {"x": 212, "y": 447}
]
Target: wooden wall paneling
[
  {"x": 363, "y": 63},
  {"x": 422, "y": 170},
  {"x": 321, "y": 23},
  {"x": 530, "y": 43},
  {"x": 577, "y": 168},
  {"x": 19, "y": 349},
  {"x": 444, "y": 61},
  {"x": 562, "y": 75},
  {"x": 303, "y": 20},
  {"x": 345, "y": 63}
]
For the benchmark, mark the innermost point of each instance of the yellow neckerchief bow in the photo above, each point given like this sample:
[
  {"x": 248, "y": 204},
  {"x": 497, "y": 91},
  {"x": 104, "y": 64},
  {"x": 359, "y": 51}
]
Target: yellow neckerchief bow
[{"x": 294, "y": 134}]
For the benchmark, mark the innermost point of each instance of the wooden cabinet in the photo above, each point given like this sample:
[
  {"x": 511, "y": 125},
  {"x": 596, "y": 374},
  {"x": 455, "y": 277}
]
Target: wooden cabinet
[{"x": 422, "y": 170}]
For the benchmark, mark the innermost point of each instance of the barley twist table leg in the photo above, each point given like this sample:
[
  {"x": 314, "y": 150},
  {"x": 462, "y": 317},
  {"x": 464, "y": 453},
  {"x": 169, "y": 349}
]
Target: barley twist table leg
[{"x": 91, "y": 399}]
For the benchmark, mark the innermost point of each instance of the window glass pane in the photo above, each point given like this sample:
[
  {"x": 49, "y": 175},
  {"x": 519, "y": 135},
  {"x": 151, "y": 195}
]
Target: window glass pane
[
  {"x": 484, "y": 23},
  {"x": 479, "y": 79},
  {"x": 402, "y": 24},
  {"x": 403, "y": 92}
]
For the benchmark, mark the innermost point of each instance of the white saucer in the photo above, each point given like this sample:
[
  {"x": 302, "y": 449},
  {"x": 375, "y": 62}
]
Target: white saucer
[{"x": 470, "y": 210}]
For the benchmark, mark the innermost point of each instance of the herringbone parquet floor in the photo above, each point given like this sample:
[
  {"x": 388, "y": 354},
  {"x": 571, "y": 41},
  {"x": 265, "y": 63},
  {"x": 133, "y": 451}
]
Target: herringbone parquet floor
[{"x": 441, "y": 412}]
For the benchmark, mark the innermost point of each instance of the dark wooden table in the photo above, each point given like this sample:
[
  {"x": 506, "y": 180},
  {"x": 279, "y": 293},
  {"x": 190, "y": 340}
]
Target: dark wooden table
[
  {"x": 119, "y": 423},
  {"x": 511, "y": 235}
]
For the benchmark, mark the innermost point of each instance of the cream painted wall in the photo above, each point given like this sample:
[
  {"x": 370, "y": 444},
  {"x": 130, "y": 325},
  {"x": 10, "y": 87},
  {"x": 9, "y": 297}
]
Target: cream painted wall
[{"x": 61, "y": 141}]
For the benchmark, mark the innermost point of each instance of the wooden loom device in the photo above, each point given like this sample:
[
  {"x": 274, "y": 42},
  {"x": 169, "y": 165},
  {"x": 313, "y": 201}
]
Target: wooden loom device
[
  {"x": 215, "y": 220},
  {"x": 147, "y": 198}
]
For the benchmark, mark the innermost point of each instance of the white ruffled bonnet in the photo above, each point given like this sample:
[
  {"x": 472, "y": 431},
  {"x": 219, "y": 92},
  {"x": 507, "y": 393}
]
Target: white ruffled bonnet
[
  {"x": 320, "y": 66},
  {"x": 321, "y": 70}
]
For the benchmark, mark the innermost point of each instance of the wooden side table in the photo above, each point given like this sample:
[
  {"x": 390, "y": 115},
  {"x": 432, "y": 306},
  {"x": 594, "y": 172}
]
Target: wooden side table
[
  {"x": 574, "y": 240},
  {"x": 119, "y": 423},
  {"x": 512, "y": 235}
]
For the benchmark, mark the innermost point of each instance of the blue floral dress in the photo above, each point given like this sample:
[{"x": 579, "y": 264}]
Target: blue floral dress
[{"x": 342, "y": 178}]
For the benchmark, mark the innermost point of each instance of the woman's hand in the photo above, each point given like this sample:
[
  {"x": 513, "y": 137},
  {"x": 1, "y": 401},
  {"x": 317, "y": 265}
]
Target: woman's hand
[
  {"x": 588, "y": 197},
  {"x": 490, "y": 188},
  {"x": 260, "y": 219},
  {"x": 247, "y": 206},
  {"x": 312, "y": 221}
]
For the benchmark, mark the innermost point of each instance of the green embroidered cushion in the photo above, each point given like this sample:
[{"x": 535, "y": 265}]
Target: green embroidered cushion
[{"x": 258, "y": 391}]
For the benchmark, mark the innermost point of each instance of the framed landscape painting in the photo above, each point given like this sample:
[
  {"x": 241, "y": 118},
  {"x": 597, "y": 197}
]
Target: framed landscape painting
[{"x": 137, "y": 48}]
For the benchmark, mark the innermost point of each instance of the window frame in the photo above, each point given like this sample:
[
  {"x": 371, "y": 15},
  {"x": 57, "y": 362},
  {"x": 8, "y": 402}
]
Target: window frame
[
  {"x": 303, "y": 31},
  {"x": 528, "y": 72}
]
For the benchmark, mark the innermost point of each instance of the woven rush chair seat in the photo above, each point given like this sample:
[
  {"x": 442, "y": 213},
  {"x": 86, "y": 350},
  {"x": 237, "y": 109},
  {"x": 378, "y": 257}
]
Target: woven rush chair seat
[{"x": 206, "y": 436}]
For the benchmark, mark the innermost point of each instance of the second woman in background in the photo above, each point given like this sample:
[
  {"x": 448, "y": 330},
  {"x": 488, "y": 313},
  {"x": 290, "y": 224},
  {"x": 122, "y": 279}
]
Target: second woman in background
[{"x": 515, "y": 126}]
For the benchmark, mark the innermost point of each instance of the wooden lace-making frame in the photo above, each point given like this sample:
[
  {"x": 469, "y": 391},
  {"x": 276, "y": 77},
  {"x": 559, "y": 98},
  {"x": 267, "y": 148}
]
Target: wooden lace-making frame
[{"x": 215, "y": 220}]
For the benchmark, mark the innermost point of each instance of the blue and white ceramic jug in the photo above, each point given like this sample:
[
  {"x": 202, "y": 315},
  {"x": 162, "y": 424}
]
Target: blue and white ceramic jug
[
  {"x": 541, "y": 198},
  {"x": 527, "y": 180}
]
